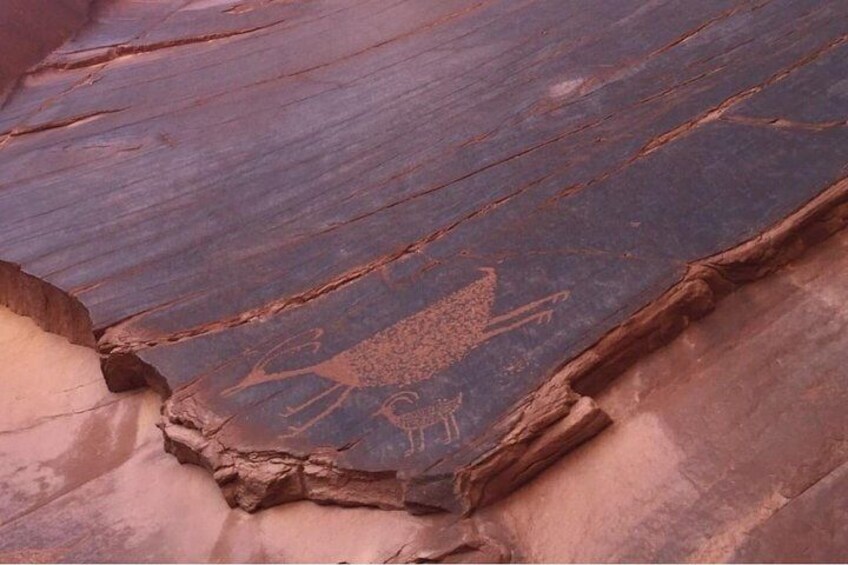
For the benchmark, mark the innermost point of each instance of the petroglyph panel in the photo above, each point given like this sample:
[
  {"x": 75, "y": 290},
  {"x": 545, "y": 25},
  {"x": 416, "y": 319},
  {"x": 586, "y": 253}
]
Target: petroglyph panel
[{"x": 378, "y": 252}]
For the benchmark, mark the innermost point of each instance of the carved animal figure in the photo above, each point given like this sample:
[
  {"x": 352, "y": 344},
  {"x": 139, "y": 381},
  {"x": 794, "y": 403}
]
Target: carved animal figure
[
  {"x": 416, "y": 420},
  {"x": 412, "y": 350}
]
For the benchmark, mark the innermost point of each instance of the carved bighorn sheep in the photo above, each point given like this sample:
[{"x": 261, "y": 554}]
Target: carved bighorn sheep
[{"x": 418, "y": 419}]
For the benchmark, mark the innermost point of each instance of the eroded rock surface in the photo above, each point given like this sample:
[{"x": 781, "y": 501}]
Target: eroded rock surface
[{"x": 373, "y": 252}]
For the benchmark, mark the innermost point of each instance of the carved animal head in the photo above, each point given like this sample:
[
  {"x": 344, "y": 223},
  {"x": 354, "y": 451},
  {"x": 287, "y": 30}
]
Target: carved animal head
[{"x": 288, "y": 347}]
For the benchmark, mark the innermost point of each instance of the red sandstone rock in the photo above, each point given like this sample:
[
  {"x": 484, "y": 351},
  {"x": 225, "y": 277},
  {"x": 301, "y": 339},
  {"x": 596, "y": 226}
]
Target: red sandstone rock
[
  {"x": 727, "y": 446},
  {"x": 377, "y": 254}
]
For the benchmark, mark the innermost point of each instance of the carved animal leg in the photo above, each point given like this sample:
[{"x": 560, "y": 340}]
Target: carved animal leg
[
  {"x": 455, "y": 426},
  {"x": 420, "y": 439},
  {"x": 298, "y": 429},
  {"x": 553, "y": 299},
  {"x": 295, "y": 409},
  {"x": 411, "y": 439},
  {"x": 448, "y": 431},
  {"x": 541, "y": 317}
]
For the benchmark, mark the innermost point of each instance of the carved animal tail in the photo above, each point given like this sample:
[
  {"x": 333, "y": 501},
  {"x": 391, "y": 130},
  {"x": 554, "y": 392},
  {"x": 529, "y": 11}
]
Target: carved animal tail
[{"x": 258, "y": 375}]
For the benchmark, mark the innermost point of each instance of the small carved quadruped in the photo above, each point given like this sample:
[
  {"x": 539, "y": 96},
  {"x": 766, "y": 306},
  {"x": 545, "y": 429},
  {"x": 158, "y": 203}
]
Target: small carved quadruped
[{"x": 417, "y": 419}]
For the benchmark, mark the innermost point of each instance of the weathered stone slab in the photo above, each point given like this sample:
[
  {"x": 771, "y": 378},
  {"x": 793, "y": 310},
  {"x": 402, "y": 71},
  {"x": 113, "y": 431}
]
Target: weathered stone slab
[{"x": 366, "y": 249}]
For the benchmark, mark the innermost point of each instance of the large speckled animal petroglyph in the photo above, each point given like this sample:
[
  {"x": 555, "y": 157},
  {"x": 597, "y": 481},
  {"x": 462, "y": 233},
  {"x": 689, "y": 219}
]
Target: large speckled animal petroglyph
[{"x": 412, "y": 350}]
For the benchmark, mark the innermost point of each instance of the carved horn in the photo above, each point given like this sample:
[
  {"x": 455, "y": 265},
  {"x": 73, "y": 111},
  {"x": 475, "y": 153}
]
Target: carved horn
[{"x": 402, "y": 396}]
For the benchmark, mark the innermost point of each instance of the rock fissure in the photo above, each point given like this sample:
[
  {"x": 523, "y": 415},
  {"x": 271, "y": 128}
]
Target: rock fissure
[
  {"x": 64, "y": 123},
  {"x": 722, "y": 108},
  {"x": 111, "y": 53}
]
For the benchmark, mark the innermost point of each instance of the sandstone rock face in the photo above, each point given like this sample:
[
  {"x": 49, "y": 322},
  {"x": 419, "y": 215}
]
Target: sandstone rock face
[
  {"x": 387, "y": 254},
  {"x": 728, "y": 445}
]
